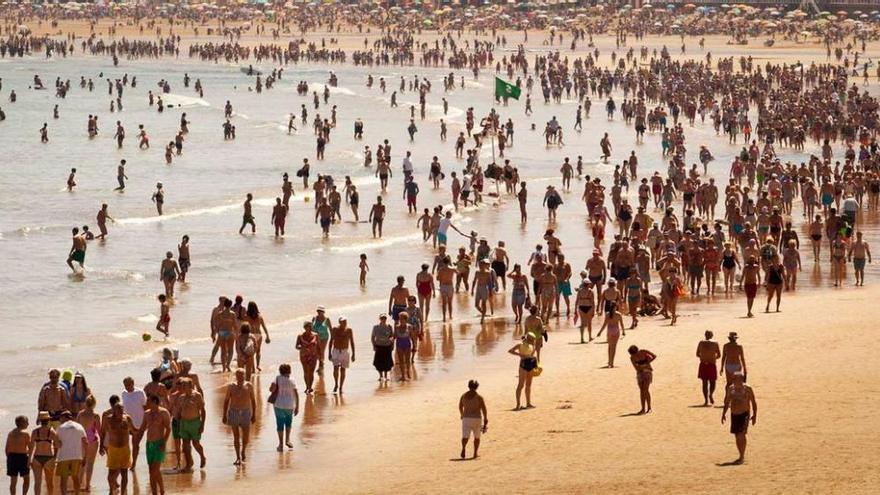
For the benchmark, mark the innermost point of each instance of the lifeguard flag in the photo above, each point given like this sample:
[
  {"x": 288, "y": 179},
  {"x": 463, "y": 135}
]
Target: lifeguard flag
[{"x": 506, "y": 90}]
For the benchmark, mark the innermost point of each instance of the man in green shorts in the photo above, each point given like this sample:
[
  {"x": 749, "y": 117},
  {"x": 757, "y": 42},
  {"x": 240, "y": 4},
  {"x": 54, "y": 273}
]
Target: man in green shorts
[
  {"x": 77, "y": 250},
  {"x": 189, "y": 409},
  {"x": 157, "y": 425}
]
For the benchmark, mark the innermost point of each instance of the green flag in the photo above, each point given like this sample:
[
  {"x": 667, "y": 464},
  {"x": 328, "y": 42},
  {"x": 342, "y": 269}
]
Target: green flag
[{"x": 506, "y": 90}]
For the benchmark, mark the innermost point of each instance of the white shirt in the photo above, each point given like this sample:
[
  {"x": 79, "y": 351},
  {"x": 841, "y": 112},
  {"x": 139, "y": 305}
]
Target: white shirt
[
  {"x": 850, "y": 205},
  {"x": 71, "y": 435},
  {"x": 443, "y": 226},
  {"x": 407, "y": 165},
  {"x": 133, "y": 403}
]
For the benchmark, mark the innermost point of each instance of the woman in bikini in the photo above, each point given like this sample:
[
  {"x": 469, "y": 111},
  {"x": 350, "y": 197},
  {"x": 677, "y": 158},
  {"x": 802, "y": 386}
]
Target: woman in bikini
[
  {"x": 79, "y": 392},
  {"x": 641, "y": 360},
  {"x": 403, "y": 344},
  {"x": 527, "y": 364},
  {"x": 43, "y": 447},
  {"x": 258, "y": 327},
  {"x": 307, "y": 345},
  {"x": 614, "y": 323},
  {"x": 584, "y": 302},
  {"x": 91, "y": 422}
]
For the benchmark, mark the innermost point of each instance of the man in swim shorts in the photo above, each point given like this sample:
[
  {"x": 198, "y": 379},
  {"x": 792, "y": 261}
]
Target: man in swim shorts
[
  {"x": 157, "y": 425},
  {"x": 77, "y": 250},
  {"x": 733, "y": 358},
  {"x": 116, "y": 431},
  {"x": 341, "y": 352},
  {"x": 397, "y": 298},
  {"x": 189, "y": 411},
  {"x": 474, "y": 417},
  {"x": 740, "y": 399},
  {"x": 708, "y": 353},
  {"x": 238, "y": 413}
]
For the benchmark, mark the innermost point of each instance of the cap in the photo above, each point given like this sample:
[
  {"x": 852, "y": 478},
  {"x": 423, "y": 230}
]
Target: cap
[
  {"x": 320, "y": 308},
  {"x": 66, "y": 414},
  {"x": 342, "y": 318}
]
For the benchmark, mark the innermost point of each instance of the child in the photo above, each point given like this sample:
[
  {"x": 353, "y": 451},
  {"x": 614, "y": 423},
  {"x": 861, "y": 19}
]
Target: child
[
  {"x": 425, "y": 223},
  {"x": 364, "y": 269},
  {"x": 473, "y": 238},
  {"x": 164, "y": 315},
  {"x": 17, "y": 455}
]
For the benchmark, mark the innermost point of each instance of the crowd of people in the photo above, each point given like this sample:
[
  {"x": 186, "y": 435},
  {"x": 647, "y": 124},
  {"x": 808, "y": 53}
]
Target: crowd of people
[{"x": 669, "y": 245}]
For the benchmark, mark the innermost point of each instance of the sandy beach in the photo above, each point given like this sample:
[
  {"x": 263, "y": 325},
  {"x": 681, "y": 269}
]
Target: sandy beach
[
  {"x": 817, "y": 404},
  {"x": 810, "y": 365}
]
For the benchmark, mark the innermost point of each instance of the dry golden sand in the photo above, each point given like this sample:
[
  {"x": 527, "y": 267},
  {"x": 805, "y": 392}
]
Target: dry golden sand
[{"x": 810, "y": 366}]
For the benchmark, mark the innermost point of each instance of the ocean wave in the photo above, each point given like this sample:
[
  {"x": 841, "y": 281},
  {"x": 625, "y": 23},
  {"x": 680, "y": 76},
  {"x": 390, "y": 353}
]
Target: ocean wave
[
  {"x": 338, "y": 90},
  {"x": 114, "y": 274},
  {"x": 372, "y": 244},
  {"x": 183, "y": 101}
]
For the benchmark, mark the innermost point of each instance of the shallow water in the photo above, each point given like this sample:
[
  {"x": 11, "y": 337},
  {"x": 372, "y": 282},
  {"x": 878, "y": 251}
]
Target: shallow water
[{"x": 94, "y": 323}]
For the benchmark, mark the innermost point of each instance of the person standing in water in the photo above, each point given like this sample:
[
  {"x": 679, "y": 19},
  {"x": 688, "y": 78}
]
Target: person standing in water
[
  {"x": 248, "y": 216},
  {"x": 101, "y": 220},
  {"x": 120, "y": 175},
  {"x": 159, "y": 197},
  {"x": 183, "y": 258},
  {"x": 168, "y": 273},
  {"x": 77, "y": 251},
  {"x": 164, "y": 323}
]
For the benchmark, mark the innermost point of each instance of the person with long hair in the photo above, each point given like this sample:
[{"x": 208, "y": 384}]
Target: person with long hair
[
  {"x": 79, "y": 392},
  {"x": 641, "y": 360},
  {"x": 526, "y": 352},
  {"x": 614, "y": 323},
  {"x": 307, "y": 345},
  {"x": 258, "y": 327},
  {"x": 91, "y": 422}
]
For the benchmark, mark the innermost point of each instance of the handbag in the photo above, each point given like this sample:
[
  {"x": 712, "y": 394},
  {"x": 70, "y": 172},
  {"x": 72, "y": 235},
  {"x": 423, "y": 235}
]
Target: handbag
[{"x": 273, "y": 396}]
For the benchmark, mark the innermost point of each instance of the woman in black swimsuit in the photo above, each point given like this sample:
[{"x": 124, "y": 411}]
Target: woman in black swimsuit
[
  {"x": 774, "y": 279},
  {"x": 729, "y": 262}
]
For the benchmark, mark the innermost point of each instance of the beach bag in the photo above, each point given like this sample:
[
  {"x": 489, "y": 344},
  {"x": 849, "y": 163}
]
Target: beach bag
[
  {"x": 274, "y": 395},
  {"x": 538, "y": 370}
]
